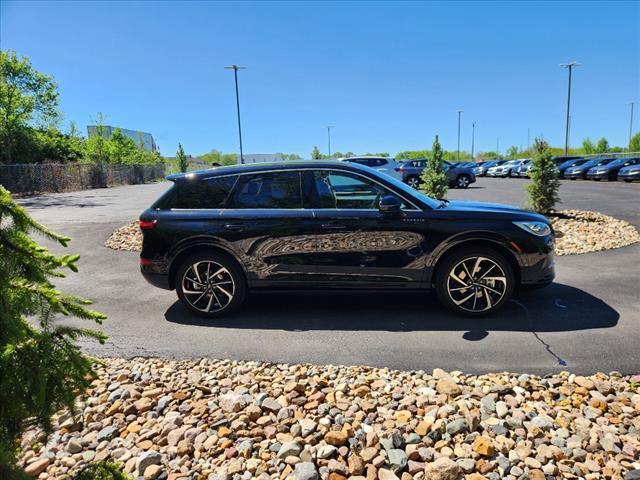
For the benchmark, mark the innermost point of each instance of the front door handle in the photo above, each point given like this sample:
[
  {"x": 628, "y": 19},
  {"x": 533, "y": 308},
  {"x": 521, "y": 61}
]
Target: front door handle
[
  {"x": 235, "y": 227},
  {"x": 333, "y": 226}
]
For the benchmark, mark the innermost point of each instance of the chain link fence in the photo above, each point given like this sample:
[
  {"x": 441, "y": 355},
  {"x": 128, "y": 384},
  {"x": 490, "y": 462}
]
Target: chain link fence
[{"x": 64, "y": 177}]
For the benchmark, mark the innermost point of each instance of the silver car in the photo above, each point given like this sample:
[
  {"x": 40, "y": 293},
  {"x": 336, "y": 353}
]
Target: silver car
[{"x": 387, "y": 165}]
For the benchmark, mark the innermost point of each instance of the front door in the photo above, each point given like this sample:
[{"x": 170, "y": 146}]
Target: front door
[{"x": 357, "y": 246}]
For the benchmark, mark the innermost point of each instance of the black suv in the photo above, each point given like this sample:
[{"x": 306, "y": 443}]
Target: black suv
[{"x": 216, "y": 234}]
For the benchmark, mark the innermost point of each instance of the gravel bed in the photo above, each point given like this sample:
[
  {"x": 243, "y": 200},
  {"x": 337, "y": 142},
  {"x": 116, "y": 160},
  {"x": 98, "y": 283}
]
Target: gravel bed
[
  {"x": 577, "y": 231},
  {"x": 236, "y": 420}
]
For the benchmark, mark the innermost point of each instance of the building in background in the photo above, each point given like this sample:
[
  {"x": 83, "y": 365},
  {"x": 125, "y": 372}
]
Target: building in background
[
  {"x": 262, "y": 157},
  {"x": 142, "y": 139}
]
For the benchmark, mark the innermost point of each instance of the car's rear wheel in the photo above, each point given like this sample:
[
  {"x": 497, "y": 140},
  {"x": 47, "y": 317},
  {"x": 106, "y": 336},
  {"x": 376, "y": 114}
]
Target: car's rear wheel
[
  {"x": 463, "y": 181},
  {"x": 413, "y": 181},
  {"x": 210, "y": 284},
  {"x": 474, "y": 281}
]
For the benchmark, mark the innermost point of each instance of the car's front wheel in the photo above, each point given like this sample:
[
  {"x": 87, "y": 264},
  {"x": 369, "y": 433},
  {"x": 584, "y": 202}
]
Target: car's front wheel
[
  {"x": 463, "y": 181},
  {"x": 210, "y": 284},
  {"x": 474, "y": 281}
]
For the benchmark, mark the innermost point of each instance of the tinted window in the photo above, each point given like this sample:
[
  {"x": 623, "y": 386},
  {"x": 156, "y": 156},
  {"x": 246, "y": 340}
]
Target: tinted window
[
  {"x": 346, "y": 191},
  {"x": 267, "y": 190},
  {"x": 207, "y": 193}
]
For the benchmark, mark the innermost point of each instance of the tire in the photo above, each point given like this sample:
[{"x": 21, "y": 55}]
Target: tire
[
  {"x": 228, "y": 288},
  {"x": 463, "y": 181},
  {"x": 627, "y": 181},
  {"x": 449, "y": 281},
  {"x": 413, "y": 181}
]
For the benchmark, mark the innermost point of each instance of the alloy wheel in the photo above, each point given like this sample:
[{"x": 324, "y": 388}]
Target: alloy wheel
[
  {"x": 413, "y": 182},
  {"x": 476, "y": 284},
  {"x": 463, "y": 181},
  {"x": 208, "y": 286}
]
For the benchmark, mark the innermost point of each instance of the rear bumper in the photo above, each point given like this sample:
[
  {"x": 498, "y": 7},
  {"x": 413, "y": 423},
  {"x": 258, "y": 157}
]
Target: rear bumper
[{"x": 159, "y": 280}]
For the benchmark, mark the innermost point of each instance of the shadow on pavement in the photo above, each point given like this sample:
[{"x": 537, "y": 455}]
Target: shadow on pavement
[
  {"x": 553, "y": 309},
  {"x": 48, "y": 201}
]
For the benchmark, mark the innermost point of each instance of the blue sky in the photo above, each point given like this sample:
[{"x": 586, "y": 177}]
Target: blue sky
[{"x": 389, "y": 76}]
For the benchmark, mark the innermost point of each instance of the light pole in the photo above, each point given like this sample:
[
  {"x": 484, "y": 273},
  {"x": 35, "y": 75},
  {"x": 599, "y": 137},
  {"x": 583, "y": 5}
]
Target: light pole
[
  {"x": 235, "y": 69},
  {"x": 528, "y": 140},
  {"x": 570, "y": 66},
  {"x": 473, "y": 135},
  {"x": 631, "y": 125},
  {"x": 459, "y": 114},
  {"x": 329, "y": 127},
  {"x": 498, "y": 147}
]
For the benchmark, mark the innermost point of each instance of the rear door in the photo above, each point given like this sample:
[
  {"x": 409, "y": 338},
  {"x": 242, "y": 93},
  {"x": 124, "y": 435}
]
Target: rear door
[{"x": 268, "y": 228}]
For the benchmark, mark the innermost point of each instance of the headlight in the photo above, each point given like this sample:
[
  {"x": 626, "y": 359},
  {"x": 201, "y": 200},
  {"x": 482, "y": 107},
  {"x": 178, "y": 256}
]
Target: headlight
[{"x": 539, "y": 229}]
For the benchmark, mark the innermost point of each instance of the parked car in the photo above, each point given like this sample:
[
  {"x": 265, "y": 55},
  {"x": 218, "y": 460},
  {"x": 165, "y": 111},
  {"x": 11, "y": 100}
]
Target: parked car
[
  {"x": 562, "y": 159},
  {"x": 562, "y": 167},
  {"x": 458, "y": 176},
  {"x": 580, "y": 171},
  {"x": 610, "y": 170},
  {"x": 507, "y": 169},
  {"x": 481, "y": 169},
  {"x": 523, "y": 169},
  {"x": 630, "y": 173},
  {"x": 387, "y": 165},
  {"x": 217, "y": 234}
]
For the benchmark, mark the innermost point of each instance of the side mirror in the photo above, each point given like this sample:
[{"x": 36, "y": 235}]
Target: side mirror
[{"x": 390, "y": 205}]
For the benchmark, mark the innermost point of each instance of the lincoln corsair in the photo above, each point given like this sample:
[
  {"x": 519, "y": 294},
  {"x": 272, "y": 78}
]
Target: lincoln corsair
[{"x": 217, "y": 234}]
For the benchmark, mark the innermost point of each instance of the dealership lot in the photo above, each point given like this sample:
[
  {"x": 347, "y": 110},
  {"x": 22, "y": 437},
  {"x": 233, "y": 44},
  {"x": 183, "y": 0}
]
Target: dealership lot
[{"x": 586, "y": 321}]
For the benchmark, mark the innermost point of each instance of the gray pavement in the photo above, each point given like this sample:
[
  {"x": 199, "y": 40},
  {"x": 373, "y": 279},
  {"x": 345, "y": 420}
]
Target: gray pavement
[{"x": 587, "y": 321}]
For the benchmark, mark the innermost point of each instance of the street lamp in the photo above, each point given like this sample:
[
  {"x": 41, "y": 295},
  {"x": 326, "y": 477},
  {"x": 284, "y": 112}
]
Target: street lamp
[
  {"x": 570, "y": 66},
  {"x": 631, "y": 125},
  {"x": 235, "y": 69},
  {"x": 473, "y": 135},
  {"x": 459, "y": 114},
  {"x": 329, "y": 127}
]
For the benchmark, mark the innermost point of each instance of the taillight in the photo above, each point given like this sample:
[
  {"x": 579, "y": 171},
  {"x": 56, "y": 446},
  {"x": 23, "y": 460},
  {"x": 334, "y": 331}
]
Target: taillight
[
  {"x": 145, "y": 262},
  {"x": 147, "y": 224}
]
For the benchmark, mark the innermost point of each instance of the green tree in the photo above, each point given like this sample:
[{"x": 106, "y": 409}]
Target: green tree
[
  {"x": 634, "y": 143},
  {"x": 588, "y": 147},
  {"x": 121, "y": 148},
  {"x": 434, "y": 178},
  {"x": 512, "y": 152},
  {"x": 181, "y": 158},
  {"x": 544, "y": 186},
  {"x": 602, "y": 146},
  {"x": 42, "y": 370},
  {"x": 27, "y": 98},
  {"x": 315, "y": 154}
]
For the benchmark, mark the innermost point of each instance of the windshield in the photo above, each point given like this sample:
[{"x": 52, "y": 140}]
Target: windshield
[
  {"x": 572, "y": 163},
  {"x": 411, "y": 192},
  {"x": 604, "y": 162}
]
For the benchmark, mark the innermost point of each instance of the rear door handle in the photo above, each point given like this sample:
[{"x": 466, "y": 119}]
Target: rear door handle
[
  {"x": 333, "y": 226},
  {"x": 235, "y": 227}
]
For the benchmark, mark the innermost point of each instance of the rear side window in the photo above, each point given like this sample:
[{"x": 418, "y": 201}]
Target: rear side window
[
  {"x": 267, "y": 190},
  {"x": 210, "y": 193}
]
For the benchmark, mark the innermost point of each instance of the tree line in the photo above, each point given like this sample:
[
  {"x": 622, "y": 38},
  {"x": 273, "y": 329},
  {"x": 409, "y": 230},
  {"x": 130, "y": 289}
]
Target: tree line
[{"x": 30, "y": 118}]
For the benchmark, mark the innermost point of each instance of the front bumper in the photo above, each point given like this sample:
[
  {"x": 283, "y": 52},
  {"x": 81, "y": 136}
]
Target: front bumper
[
  {"x": 599, "y": 176},
  {"x": 629, "y": 175},
  {"x": 574, "y": 175},
  {"x": 540, "y": 267}
]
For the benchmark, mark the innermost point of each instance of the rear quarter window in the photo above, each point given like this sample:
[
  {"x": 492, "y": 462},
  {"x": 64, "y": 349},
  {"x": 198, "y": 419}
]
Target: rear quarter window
[{"x": 209, "y": 193}]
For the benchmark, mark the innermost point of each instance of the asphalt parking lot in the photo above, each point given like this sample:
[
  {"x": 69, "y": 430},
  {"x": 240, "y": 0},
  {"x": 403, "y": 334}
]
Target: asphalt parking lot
[{"x": 587, "y": 321}]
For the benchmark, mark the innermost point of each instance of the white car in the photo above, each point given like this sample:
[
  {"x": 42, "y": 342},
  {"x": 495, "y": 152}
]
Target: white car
[
  {"x": 387, "y": 165},
  {"x": 504, "y": 170}
]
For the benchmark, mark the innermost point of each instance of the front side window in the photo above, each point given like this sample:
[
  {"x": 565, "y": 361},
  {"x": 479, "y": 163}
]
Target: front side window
[
  {"x": 209, "y": 193},
  {"x": 345, "y": 191},
  {"x": 267, "y": 190}
]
